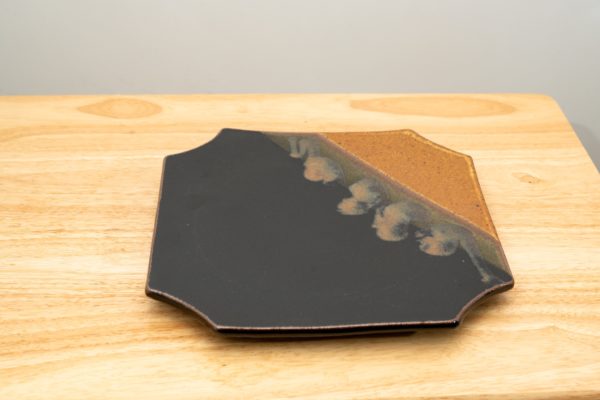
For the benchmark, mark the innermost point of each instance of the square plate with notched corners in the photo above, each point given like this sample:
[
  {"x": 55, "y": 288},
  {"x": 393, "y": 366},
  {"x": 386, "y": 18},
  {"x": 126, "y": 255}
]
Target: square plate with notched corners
[{"x": 314, "y": 234}]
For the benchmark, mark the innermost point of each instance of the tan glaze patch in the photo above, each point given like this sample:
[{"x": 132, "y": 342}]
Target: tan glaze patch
[
  {"x": 392, "y": 221},
  {"x": 444, "y": 240},
  {"x": 122, "y": 108},
  {"x": 435, "y": 106},
  {"x": 366, "y": 194},
  {"x": 316, "y": 168},
  {"x": 443, "y": 176}
]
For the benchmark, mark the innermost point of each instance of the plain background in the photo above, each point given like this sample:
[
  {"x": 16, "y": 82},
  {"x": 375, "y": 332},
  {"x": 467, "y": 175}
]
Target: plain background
[{"x": 237, "y": 46}]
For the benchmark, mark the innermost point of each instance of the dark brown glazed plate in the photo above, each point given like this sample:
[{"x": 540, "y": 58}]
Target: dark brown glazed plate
[{"x": 323, "y": 234}]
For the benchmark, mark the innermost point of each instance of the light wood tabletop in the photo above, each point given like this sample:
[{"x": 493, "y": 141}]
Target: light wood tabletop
[{"x": 79, "y": 180}]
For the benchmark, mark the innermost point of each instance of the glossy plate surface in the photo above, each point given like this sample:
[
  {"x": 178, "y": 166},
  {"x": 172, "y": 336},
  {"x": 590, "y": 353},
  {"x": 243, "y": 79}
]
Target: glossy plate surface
[{"x": 318, "y": 234}]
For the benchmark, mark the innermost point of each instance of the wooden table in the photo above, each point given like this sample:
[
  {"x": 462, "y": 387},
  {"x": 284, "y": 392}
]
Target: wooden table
[{"x": 79, "y": 181}]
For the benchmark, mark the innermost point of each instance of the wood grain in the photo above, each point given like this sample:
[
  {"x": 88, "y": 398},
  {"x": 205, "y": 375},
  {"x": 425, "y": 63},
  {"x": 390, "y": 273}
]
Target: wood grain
[{"x": 79, "y": 181}]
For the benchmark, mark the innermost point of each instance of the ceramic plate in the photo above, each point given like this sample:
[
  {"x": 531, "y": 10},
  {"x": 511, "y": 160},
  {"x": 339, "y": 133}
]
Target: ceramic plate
[{"x": 264, "y": 233}]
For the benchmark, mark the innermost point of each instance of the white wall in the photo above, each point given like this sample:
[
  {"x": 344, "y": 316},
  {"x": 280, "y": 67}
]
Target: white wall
[{"x": 179, "y": 46}]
